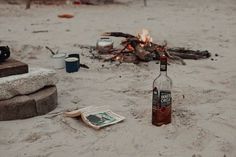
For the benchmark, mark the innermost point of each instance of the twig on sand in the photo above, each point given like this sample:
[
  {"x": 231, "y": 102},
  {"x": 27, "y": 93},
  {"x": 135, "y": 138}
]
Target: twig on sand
[
  {"x": 52, "y": 52},
  {"x": 54, "y": 114},
  {"x": 68, "y": 125},
  {"x": 28, "y": 2},
  {"x": 90, "y": 47},
  {"x": 40, "y": 31},
  {"x": 145, "y": 2}
]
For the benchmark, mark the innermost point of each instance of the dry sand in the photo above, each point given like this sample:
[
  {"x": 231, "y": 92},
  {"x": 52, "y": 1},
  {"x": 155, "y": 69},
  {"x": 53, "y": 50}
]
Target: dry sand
[{"x": 204, "y": 120}]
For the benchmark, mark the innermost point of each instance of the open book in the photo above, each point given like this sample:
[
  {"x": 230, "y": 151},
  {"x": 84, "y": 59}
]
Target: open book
[{"x": 96, "y": 117}]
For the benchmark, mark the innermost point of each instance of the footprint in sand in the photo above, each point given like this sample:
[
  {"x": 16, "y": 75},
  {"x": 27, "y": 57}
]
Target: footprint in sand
[
  {"x": 135, "y": 92},
  {"x": 229, "y": 82},
  {"x": 194, "y": 96},
  {"x": 183, "y": 117},
  {"x": 140, "y": 114},
  {"x": 32, "y": 137},
  {"x": 225, "y": 147},
  {"x": 202, "y": 139}
]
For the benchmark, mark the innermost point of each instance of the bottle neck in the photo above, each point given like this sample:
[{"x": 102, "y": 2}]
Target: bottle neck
[
  {"x": 163, "y": 65},
  {"x": 163, "y": 73}
]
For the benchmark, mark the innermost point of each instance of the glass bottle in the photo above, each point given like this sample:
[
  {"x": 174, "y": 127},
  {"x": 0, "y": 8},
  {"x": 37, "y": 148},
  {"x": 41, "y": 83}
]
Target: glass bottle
[{"x": 161, "y": 99}]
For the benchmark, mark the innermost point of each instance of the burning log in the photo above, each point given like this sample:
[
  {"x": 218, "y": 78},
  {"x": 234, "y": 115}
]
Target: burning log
[
  {"x": 141, "y": 52},
  {"x": 124, "y": 57},
  {"x": 133, "y": 44}
]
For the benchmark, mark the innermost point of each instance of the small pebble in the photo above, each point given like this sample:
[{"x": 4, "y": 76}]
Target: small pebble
[
  {"x": 216, "y": 55},
  {"x": 97, "y": 148},
  {"x": 75, "y": 100}
]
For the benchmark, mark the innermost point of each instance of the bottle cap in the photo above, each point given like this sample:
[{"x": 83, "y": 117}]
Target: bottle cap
[{"x": 163, "y": 58}]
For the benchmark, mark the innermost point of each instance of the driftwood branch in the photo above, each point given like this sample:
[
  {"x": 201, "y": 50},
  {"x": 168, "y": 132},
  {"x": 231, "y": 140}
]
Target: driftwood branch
[
  {"x": 40, "y": 31},
  {"x": 189, "y": 54},
  {"x": 118, "y": 34}
]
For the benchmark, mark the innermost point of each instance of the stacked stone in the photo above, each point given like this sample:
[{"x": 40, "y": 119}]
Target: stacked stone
[{"x": 26, "y": 93}]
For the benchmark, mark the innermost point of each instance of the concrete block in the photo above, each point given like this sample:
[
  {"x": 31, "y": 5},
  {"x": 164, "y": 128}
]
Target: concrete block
[
  {"x": 26, "y": 106},
  {"x": 28, "y": 83}
]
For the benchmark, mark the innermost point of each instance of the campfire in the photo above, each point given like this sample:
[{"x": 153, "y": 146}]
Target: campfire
[{"x": 141, "y": 48}]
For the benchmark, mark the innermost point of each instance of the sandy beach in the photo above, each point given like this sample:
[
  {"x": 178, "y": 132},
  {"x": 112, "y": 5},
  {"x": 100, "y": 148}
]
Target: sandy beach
[{"x": 204, "y": 91}]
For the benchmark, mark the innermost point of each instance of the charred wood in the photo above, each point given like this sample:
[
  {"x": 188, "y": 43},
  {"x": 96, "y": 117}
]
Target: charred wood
[
  {"x": 189, "y": 54},
  {"x": 118, "y": 34},
  {"x": 141, "y": 52}
]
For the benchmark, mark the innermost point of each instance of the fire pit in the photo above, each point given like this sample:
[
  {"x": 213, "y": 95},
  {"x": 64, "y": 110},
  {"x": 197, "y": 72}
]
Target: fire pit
[{"x": 140, "y": 48}]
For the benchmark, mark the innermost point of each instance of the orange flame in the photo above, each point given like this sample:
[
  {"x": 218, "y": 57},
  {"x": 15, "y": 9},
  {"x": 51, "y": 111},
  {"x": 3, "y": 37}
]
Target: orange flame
[
  {"x": 117, "y": 58},
  {"x": 145, "y": 37},
  {"x": 129, "y": 47}
]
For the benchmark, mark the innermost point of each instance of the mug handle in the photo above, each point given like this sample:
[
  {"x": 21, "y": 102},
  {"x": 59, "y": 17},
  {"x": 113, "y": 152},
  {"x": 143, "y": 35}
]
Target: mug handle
[{"x": 7, "y": 52}]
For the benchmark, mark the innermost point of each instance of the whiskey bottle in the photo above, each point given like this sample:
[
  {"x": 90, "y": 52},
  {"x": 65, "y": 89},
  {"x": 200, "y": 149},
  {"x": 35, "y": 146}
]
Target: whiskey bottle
[{"x": 161, "y": 99}]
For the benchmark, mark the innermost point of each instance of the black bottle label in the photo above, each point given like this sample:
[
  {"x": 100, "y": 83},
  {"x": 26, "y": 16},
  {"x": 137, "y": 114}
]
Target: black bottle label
[
  {"x": 155, "y": 99},
  {"x": 165, "y": 98}
]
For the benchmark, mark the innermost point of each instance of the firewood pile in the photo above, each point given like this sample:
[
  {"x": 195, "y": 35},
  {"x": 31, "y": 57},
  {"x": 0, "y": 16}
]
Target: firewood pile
[{"x": 140, "y": 48}]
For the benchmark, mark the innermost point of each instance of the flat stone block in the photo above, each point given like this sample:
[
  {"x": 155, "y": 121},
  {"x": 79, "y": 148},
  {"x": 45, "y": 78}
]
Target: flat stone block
[
  {"x": 28, "y": 83},
  {"x": 17, "y": 108},
  {"x": 26, "y": 106},
  {"x": 12, "y": 67},
  {"x": 45, "y": 100}
]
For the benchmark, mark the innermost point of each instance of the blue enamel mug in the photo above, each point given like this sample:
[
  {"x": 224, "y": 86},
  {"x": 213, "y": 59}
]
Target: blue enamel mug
[
  {"x": 76, "y": 55},
  {"x": 72, "y": 64}
]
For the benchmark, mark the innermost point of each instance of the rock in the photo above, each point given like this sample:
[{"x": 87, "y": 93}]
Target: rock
[
  {"x": 75, "y": 100},
  {"x": 26, "y": 106},
  {"x": 17, "y": 108},
  {"x": 26, "y": 83}
]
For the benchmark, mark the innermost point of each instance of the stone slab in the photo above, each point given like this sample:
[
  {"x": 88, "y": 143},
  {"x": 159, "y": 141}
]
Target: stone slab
[
  {"x": 12, "y": 67},
  {"x": 26, "y": 106},
  {"x": 28, "y": 83},
  {"x": 45, "y": 100}
]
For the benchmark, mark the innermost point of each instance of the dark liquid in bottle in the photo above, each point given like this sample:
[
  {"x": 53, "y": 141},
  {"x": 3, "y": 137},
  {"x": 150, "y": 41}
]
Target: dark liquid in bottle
[
  {"x": 161, "y": 115},
  {"x": 161, "y": 107}
]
